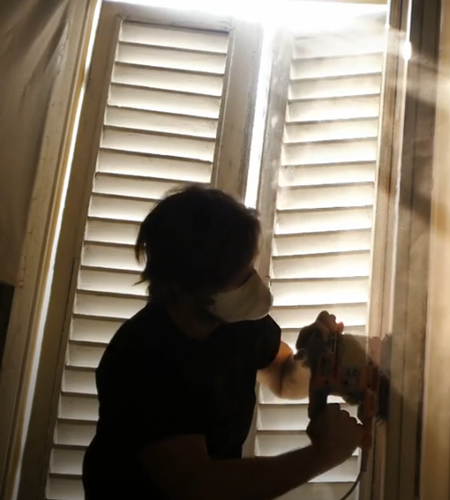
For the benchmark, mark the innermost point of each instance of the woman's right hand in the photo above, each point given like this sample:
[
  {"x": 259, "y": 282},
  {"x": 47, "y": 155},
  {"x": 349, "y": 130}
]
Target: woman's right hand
[{"x": 335, "y": 434}]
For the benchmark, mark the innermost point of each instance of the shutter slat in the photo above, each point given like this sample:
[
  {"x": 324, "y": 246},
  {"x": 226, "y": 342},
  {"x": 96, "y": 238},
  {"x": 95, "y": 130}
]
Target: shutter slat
[
  {"x": 326, "y": 196},
  {"x": 289, "y": 335},
  {"x": 354, "y": 43},
  {"x": 78, "y": 407},
  {"x": 160, "y": 122},
  {"x": 79, "y": 381},
  {"x": 109, "y": 280},
  {"x": 133, "y": 186},
  {"x": 310, "y": 175},
  {"x": 120, "y": 208},
  {"x": 297, "y": 221},
  {"x": 267, "y": 398},
  {"x": 171, "y": 58},
  {"x": 340, "y": 265},
  {"x": 358, "y": 85},
  {"x": 316, "y": 243},
  {"x": 107, "y": 306},
  {"x": 331, "y": 151},
  {"x": 131, "y": 163},
  {"x": 295, "y": 316},
  {"x": 168, "y": 79},
  {"x": 181, "y": 39},
  {"x": 111, "y": 231},
  {"x": 141, "y": 142},
  {"x": 67, "y": 461},
  {"x": 311, "y": 292},
  {"x": 84, "y": 355},
  {"x": 339, "y": 108},
  {"x": 336, "y": 66},
  {"x": 94, "y": 329},
  {"x": 60, "y": 488},
  {"x": 328, "y": 131},
  {"x": 164, "y": 101},
  {"x": 120, "y": 257},
  {"x": 288, "y": 417},
  {"x": 72, "y": 432}
]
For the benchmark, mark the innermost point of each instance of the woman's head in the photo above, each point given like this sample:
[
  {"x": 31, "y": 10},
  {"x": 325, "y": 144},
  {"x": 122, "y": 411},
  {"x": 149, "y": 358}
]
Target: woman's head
[{"x": 199, "y": 242}]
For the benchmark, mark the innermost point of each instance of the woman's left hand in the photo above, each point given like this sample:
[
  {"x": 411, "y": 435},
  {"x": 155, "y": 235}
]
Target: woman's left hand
[{"x": 324, "y": 325}]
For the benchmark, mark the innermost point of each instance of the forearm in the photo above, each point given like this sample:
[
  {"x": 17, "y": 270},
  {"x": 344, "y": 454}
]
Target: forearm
[
  {"x": 294, "y": 380},
  {"x": 263, "y": 478}
]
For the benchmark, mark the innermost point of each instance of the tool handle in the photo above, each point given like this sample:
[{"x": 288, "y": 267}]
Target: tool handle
[{"x": 317, "y": 400}]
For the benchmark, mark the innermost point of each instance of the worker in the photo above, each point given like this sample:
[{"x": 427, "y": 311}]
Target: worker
[{"x": 176, "y": 384}]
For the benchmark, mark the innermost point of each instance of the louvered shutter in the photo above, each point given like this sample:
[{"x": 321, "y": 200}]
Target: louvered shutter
[
  {"x": 321, "y": 249},
  {"x": 160, "y": 131}
]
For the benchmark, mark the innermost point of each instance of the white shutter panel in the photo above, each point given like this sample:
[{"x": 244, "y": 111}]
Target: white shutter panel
[
  {"x": 321, "y": 250},
  {"x": 159, "y": 132}
]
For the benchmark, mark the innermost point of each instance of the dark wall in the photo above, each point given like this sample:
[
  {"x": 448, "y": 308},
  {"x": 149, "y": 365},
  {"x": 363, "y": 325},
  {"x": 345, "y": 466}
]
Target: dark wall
[{"x": 6, "y": 298}]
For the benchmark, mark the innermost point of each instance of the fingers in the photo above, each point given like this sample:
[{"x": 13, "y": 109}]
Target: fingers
[
  {"x": 324, "y": 325},
  {"x": 329, "y": 322}
]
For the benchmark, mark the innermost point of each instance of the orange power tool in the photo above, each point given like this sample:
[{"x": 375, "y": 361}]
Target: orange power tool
[{"x": 354, "y": 367}]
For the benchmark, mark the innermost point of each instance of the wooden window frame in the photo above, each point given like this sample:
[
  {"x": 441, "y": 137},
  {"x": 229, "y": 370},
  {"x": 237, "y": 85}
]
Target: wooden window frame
[{"x": 405, "y": 185}]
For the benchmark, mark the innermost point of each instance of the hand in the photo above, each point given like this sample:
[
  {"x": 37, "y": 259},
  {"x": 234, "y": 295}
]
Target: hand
[
  {"x": 324, "y": 325},
  {"x": 335, "y": 435}
]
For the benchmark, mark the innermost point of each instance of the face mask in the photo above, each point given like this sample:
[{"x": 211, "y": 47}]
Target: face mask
[{"x": 251, "y": 301}]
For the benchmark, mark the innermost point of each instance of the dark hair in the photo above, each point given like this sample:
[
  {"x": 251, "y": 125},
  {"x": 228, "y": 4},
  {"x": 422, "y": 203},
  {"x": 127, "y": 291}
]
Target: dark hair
[{"x": 196, "y": 240}]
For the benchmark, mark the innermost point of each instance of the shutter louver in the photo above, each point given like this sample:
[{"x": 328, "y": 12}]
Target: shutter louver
[
  {"x": 159, "y": 132},
  {"x": 321, "y": 250}
]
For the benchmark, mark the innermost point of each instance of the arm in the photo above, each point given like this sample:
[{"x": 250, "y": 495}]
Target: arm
[
  {"x": 181, "y": 468},
  {"x": 286, "y": 377}
]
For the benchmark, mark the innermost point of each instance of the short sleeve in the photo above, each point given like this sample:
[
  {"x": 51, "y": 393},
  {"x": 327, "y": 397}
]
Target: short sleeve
[
  {"x": 150, "y": 398},
  {"x": 266, "y": 336}
]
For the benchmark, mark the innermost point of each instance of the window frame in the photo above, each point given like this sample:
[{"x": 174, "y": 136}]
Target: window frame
[{"x": 396, "y": 469}]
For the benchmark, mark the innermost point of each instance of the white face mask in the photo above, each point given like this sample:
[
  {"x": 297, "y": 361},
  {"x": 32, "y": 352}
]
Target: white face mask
[{"x": 251, "y": 301}]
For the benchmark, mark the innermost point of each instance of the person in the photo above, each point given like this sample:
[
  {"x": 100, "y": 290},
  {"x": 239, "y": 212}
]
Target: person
[{"x": 176, "y": 384}]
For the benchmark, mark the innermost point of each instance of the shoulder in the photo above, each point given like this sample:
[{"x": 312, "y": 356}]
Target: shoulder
[
  {"x": 262, "y": 340},
  {"x": 151, "y": 327},
  {"x": 148, "y": 335},
  {"x": 261, "y": 329}
]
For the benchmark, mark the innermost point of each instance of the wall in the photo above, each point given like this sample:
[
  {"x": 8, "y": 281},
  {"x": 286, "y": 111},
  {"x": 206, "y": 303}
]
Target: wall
[{"x": 52, "y": 31}]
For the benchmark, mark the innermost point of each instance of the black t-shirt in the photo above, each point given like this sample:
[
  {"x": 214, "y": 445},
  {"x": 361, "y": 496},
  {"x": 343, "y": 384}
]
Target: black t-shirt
[{"x": 155, "y": 382}]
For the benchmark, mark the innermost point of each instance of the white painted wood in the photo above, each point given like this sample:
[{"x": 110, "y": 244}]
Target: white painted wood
[
  {"x": 322, "y": 241},
  {"x": 156, "y": 127}
]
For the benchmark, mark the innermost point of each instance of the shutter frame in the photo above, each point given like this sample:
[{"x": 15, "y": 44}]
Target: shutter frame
[
  {"x": 230, "y": 173},
  {"x": 45, "y": 401},
  {"x": 283, "y": 259}
]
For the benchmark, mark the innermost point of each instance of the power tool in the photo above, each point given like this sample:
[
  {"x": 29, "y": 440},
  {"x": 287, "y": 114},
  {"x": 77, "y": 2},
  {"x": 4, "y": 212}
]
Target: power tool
[{"x": 355, "y": 367}]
